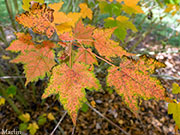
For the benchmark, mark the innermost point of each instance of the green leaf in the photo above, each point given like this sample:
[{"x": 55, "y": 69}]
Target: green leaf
[
  {"x": 111, "y": 9},
  {"x": 110, "y": 23},
  {"x": 120, "y": 33},
  {"x": 122, "y": 23},
  {"x": 175, "y": 88},
  {"x": 11, "y": 90},
  {"x": 42, "y": 119},
  {"x": 84, "y": 107},
  {"x": 23, "y": 126}
]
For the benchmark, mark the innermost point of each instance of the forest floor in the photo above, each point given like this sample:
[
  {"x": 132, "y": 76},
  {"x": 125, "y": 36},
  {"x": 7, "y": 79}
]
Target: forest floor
[{"x": 153, "y": 117}]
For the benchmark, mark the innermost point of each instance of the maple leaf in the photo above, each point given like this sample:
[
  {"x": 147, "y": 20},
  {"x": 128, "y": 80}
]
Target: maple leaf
[
  {"x": 85, "y": 56},
  {"x": 56, "y": 6},
  {"x": 26, "y": 4},
  {"x": 85, "y": 11},
  {"x": 174, "y": 108},
  {"x": 83, "y": 33},
  {"x": 59, "y": 17},
  {"x": 105, "y": 46},
  {"x": 39, "y": 18},
  {"x": 111, "y": 9},
  {"x": 66, "y": 37},
  {"x": 131, "y": 7},
  {"x": 22, "y": 43},
  {"x": 122, "y": 23},
  {"x": 70, "y": 84},
  {"x": 37, "y": 62},
  {"x": 132, "y": 80},
  {"x": 67, "y": 26}
]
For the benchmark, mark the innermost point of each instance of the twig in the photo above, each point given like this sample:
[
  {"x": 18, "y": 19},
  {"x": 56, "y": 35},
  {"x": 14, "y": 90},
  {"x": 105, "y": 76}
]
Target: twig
[
  {"x": 166, "y": 77},
  {"x": 59, "y": 123},
  {"x": 73, "y": 130},
  {"x": 107, "y": 119},
  {"x": 13, "y": 77}
]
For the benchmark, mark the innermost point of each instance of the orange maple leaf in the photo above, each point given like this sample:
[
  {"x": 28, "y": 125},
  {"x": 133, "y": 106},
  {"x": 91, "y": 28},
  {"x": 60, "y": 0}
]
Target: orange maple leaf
[
  {"x": 132, "y": 80},
  {"x": 85, "y": 56},
  {"x": 39, "y": 18},
  {"x": 70, "y": 84},
  {"x": 66, "y": 37},
  {"x": 105, "y": 46},
  {"x": 37, "y": 62},
  {"x": 83, "y": 33},
  {"x": 22, "y": 43}
]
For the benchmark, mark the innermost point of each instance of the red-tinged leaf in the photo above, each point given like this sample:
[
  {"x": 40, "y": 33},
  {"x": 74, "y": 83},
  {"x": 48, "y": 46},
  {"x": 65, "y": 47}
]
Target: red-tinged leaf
[
  {"x": 37, "y": 62},
  {"x": 85, "y": 56},
  {"x": 70, "y": 84},
  {"x": 105, "y": 46},
  {"x": 22, "y": 43},
  {"x": 83, "y": 33},
  {"x": 132, "y": 80},
  {"x": 39, "y": 18},
  {"x": 66, "y": 37}
]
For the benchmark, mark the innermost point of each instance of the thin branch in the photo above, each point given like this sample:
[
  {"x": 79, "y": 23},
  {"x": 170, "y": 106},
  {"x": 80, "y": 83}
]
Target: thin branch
[
  {"x": 59, "y": 123},
  {"x": 73, "y": 130},
  {"x": 97, "y": 56},
  {"x": 107, "y": 119},
  {"x": 13, "y": 77},
  {"x": 102, "y": 59}
]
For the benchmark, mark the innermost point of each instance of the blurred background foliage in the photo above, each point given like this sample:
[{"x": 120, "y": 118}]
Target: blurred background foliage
[{"x": 168, "y": 28}]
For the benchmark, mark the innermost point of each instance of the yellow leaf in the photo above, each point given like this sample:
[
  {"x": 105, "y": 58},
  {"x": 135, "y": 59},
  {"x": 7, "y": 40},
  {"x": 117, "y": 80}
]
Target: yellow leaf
[
  {"x": 24, "y": 117},
  {"x": 129, "y": 2},
  {"x": 10, "y": 95},
  {"x": 26, "y": 4},
  {"x": 86, "y": 12},
  {"x": 56, "y": 6},
  {"x": 131, "y": 6},
  {"x": 67, "y": 26},
  {"x": 93, "y": 103},
  {"x": 60, "y": 17},
  {"x": 2, "y": 101},
  {"x": 50, "y": 116},
  {"x": 64, "y": 27},
  {"x": 75, "y": 17},
  {"x": 175, "y": 88},
  {"x": 122, "y": 18},
  {"x": 5, "y": 57},
  {"x": 33, "y": 128}
]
